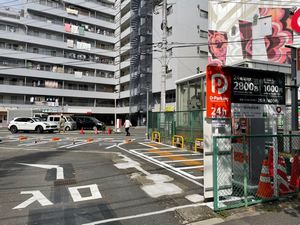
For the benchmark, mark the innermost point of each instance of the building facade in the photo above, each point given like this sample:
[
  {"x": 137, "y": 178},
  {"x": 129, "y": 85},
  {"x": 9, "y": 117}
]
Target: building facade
[
  {"x": 96, "y": 57},
  {"x": 187, "y": 51}
]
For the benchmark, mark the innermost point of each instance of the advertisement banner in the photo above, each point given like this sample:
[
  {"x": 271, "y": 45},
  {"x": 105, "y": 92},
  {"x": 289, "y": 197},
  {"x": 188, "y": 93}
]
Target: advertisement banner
[{"x": 218, "y": 88}]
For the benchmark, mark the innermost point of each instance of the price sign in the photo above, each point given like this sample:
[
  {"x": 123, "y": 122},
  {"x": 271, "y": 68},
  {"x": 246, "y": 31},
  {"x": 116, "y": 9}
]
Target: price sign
[{"x": 258, "y": 87}]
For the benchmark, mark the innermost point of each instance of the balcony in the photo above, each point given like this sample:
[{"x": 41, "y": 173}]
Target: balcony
[
  {"x": 62, "y": 13},
  {"x": 24, "y": 90},
  {"x": 126, "y": 17},
  {"x": 125, "y": 33}
]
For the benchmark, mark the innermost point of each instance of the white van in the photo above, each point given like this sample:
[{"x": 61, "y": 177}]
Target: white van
[{"x": 70, "y": 124}]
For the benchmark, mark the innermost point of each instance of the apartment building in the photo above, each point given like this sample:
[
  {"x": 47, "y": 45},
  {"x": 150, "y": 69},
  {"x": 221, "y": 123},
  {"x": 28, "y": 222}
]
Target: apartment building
[
  {"x": 64, "y": 56},
  {"x": 93, "y": 56},
  {"x": 187, "y": 50}
]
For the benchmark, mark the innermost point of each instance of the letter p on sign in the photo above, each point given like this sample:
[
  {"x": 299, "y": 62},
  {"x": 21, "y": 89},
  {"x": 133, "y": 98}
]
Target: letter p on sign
[{"x": 219, "y": 84}]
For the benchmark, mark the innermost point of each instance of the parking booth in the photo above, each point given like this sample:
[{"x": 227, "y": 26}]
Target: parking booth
[{"x": 241, "y": 103}]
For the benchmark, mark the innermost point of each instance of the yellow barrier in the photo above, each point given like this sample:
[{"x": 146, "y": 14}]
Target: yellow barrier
[
  {"x": 155, "y": 136},
  {"x": 179, "y": 141},
  {"x": 199, "y": 144}
]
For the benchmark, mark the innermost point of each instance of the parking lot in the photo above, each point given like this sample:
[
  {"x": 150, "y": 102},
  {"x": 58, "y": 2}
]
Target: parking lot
[{"x": 96, "y": 179}]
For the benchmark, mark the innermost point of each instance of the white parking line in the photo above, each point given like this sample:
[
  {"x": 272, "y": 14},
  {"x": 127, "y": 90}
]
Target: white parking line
[
  {"x": 164, "y": 156},
  {"x": 147, "y": 149},
  {"x": 182, "y": 160},
  {"x": 189, "y": 167},
  {"x": 165, "y": 151},
  {"x": 166, "y": 166}
]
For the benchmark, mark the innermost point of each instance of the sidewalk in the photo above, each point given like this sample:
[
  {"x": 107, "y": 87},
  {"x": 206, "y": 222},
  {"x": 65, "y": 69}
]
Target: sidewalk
[{"x": 284, "y": 212}]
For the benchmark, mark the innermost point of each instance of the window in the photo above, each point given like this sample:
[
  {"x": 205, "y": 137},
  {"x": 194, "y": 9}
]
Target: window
[
  {"x": 203, "y": 34},
  {"x": 35, "y": 50},
  {"x": 203, "y": 14},
  {"x": 204, "y": 53}
]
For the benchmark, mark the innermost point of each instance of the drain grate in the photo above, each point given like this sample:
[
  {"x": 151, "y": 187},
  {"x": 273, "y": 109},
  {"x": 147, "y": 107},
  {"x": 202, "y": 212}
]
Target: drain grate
[{"x": 65, "y": 182}]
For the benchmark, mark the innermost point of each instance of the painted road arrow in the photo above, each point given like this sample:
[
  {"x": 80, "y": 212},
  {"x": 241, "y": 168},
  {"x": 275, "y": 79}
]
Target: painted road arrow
[{"x": 59, "y": 170}]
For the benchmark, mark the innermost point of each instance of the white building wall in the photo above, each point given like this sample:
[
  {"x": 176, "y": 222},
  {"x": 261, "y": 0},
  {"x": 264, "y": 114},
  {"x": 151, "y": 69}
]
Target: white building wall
[{"x": 186, "y": 24}]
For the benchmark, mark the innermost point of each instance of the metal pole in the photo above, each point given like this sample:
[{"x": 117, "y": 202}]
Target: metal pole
[
  {"x": 147, "y": 114},
  {"x": 164, "y": 57},
  {"x": 294, "y": 90},
  {"x": 294, "y": 87},
  {"x": 115, "y": 111}
]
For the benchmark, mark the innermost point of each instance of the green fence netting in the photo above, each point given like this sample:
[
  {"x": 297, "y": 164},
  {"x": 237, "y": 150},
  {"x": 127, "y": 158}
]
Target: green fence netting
[
  {"x": 248, "y": 169},
  {"x": 188, "y": 124}
]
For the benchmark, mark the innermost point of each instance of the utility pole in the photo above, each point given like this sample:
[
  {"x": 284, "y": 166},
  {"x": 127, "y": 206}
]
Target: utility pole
[
  {"x": 294, "y": 97},
  {"x": 163, "y": 57}
]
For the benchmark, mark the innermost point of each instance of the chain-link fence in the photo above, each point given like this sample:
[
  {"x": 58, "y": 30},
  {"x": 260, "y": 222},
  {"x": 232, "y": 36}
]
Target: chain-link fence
[
  {"x": 188, "y": 124},
  {"x": 252, "y": 169}
]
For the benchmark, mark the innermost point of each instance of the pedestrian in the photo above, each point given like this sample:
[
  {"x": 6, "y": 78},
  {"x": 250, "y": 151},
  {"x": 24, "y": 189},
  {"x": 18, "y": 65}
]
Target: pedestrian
[
  {"x": 127, "y": 125},
  {"x": 62, "y": 124}
]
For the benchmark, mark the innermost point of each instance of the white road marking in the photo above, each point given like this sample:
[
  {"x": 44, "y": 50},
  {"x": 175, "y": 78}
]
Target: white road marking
[
  {"x": 76, "y": 196},
  {"x": 183, "y": 174},
  {"x": 182, "y": 160},
  {"x": 166, "y": 156},
  {"x": 37, "y": 143},
  {"x": 111, "y": 146},
  {"x": 145, "y": 214},
  {"x": 145, "y": 144},
  {"x": 36, "y": 196},
  {"x": 189, "y": 167},
  {"x": 59, "y": 170},
  {"x": 63, "y": 146},
  {"x": 165, "y": 151},
  {"x": 79, "y": 144},
  {"x": 129, "y": 163},
  {"x": 147, "y": 149}
]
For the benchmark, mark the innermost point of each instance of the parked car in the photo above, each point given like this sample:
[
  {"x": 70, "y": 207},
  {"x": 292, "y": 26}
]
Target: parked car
[
  {"x": 31, "y": 124},
  {"x": 88, "y": 122},
  {"x": 70, "y": 124}
]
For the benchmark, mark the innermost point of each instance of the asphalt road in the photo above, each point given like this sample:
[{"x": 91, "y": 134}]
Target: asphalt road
[{"x": 96, "y": 179}]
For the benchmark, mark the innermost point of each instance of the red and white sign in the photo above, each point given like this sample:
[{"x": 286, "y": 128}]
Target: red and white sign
[
  {"x": 218, "y": 90},
  {"x": 296, "y": 21}
]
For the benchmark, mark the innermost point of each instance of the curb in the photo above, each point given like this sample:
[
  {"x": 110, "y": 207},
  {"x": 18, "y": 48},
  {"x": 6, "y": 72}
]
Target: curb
[{"x": 208, "y": 222}]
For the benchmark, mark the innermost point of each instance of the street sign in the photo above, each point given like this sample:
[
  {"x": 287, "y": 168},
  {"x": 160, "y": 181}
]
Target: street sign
[{"x": 218, "y": 86}]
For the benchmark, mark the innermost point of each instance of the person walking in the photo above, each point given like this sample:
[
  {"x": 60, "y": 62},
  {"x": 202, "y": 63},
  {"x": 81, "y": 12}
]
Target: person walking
[
  {"x": 62, "y": 124},
  {"x": 127, "y": 125}
]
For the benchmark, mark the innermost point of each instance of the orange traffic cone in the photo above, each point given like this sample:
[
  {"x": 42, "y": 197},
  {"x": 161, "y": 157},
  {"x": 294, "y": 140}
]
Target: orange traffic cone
[
  {"x": 271, "y": 163},
  {"x": 295, "y": 182},
  {"x": 265, "y": 189},
  {"x": 282, "y": 177},
  {"x": 81, "y": 131}
]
